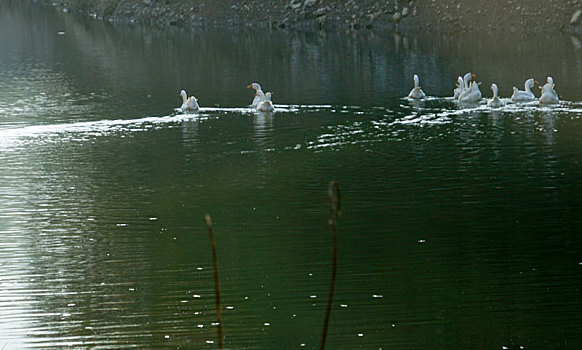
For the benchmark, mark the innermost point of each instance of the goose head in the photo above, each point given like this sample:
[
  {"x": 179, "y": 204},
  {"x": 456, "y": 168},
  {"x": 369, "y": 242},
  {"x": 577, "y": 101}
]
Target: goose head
[
  {"x": 254, "y": 86},
  {"x": 530, "y": 84},
  {"x": 466, "y": 79},
  {"x": 184, "y": 95},
  {"x": 459, "y": 81}
]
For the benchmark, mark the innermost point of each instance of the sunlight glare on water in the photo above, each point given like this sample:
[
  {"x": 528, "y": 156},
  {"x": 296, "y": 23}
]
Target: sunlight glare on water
[{"x": 459, "y": 223}]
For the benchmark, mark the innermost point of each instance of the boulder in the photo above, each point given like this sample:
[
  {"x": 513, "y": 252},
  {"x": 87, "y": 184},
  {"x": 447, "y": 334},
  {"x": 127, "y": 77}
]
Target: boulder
[
  {"x": 309, "y": 3},
  {"x": 576, "y": 17},
  {"x": 321, "y": 11},
  {"x": 396, "y": 17}
]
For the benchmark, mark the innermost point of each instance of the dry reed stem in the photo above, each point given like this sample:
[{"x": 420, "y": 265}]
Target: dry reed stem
[
  {"x": 208, "y": 221},
  {"x": 335, "y": 205}
]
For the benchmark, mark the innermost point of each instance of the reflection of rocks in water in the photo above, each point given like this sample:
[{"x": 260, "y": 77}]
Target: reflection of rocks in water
[
  {"x": 576, "y": 41},
  {"x": 397, "y": 37},
  {"x": 306, "y": 67},
  {"x": 576, "y": 17}
]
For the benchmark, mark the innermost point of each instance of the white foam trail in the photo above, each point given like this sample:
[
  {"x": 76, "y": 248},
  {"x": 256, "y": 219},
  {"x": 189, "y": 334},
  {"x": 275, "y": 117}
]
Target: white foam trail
[
  {"x": 279, "y": 108},
  {"x": 294, "y": 107},
  {"x": 91, "y": 126},
  {"x": 11, "y": 134},
  {"x": 247, "y": 110},
  {"x": 425, "y": 116}
]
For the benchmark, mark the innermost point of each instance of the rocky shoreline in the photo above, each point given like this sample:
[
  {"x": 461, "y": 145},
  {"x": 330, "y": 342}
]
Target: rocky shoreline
[{"x": 401, "y": 15}]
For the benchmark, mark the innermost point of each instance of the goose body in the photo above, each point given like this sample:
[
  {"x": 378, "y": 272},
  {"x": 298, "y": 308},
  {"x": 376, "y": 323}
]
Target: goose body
[
  {"x": 495, "y": 102},
  {"x": 472, "y": 95},
  {"x": 256, "y": 99},
  {"x": 189, "y": 104},
  {"x": 261, "y": 102},
  {"x": 266, "y": 104},
  {"x": 463, "y": 85},
  {"x": 549, "y": 95},
  {"x": 416, "y": 92},
  {"x": 525, "y": 95}
]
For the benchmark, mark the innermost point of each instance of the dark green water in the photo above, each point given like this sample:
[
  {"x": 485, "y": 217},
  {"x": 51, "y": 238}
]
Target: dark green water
[{"x": 460, "y": 228}]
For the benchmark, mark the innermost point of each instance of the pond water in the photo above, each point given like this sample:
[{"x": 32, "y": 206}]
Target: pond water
[{"x": 460, "y": 225}]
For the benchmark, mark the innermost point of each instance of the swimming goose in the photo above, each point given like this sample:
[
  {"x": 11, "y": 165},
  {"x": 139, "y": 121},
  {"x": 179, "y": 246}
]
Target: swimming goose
[
  {"x": 549, "y": 95},
  {"x": 495, "y": 102},
  {"x": 472, "y": 95},
  {"x": 464, "y": 88},
  {"x": 524, "y": 96},
  {"x": 416, "y": 92},
  {"x": 265, "y": 105},
  {"x": 189, "y": 104},
  {"x": 257, "y": 98}
]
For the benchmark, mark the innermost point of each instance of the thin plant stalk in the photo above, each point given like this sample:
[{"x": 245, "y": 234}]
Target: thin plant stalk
[
  {"x": 208, "y": 221},
  {"x": 335, "y": 205}
]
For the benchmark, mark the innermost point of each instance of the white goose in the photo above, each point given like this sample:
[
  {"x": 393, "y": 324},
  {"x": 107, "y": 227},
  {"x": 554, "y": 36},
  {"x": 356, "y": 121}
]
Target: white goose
[
  {"x": 495, "y": 102},
  {"x": 189, "y": 104},
  {"x": 459, "y": 89},
  {"x": 416, "y": 92},
  {"x": 266, "y": 104},
  {"x": 257, "y": 98},
  {"x": 549, "y": 95},
  {"x": 524, "y": 96},
  {"x": 472, "y": 95},
  {"x": 464, "y": 88}
]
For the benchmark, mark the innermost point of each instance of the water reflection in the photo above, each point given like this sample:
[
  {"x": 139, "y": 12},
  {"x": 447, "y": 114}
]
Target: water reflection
[
  {"x": 459, "y": 226},
  {"x": 263, "y": 128},
  {"x": 147, "y": 66}
]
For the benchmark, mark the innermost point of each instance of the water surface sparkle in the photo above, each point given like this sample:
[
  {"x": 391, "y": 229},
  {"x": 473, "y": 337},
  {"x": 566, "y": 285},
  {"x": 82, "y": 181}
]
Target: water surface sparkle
[{"x": 459, "y": 224}]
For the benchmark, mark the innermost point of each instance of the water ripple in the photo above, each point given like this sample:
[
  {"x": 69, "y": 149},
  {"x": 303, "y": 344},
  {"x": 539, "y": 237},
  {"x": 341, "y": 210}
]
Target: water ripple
[{"x": 433, "y": 111}]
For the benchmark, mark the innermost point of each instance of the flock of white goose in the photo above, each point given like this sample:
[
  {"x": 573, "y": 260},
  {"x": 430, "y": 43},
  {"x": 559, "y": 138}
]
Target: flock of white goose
[
  {"x": 467, "y": 90},
  {"x": 262, "y": 102}
]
